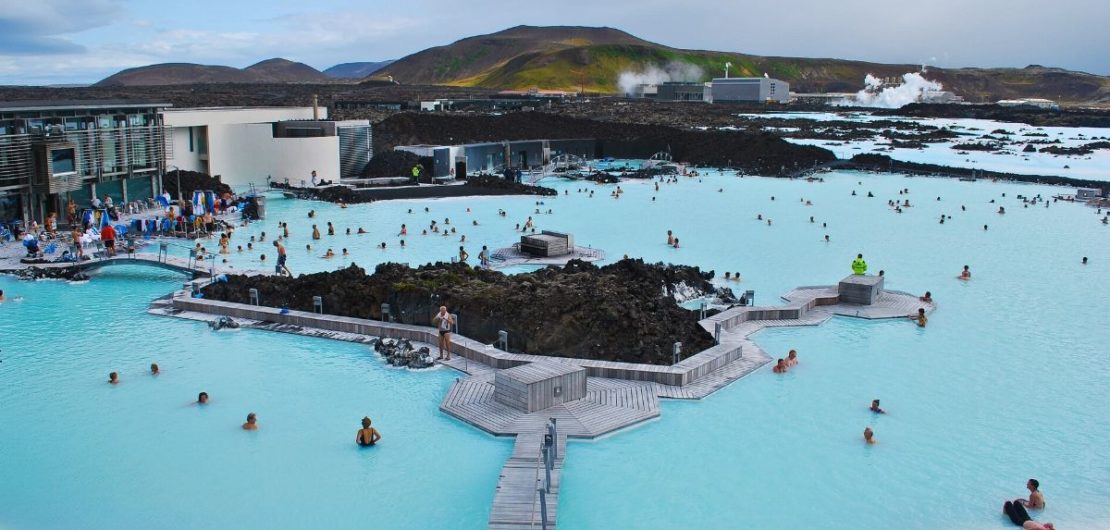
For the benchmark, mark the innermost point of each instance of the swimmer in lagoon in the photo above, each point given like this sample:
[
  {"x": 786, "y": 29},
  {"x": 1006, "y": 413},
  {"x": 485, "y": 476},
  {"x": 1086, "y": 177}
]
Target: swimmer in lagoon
[
  {"x": 367, "y": 435},
  {"x": 329, "y": 254},
  {"x": 202, "y": 398},
  {"x": 252, "y": 423},
  {"x": 113, "y": 378},
  {"x": 154, "y": 370},
  {"x": 1016, "y": 509},
  {"x": 670, "y": 238},
  {"x": 920, "y": 317},
  {"x": 676, "y": 242},
  {"x": 1036, "y": 498},
  {"x": 780, "y": 367},
  {"x": 927, "y": 298},
  {"x": 875, "y": 407},
  {"x": 792, "y": 358},
  {"x": 966, "y": 274},
  {"x": 869, "y": 436}
]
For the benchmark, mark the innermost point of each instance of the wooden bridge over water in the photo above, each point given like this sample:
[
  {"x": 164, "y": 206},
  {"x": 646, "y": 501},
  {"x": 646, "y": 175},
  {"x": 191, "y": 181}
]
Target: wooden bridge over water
[{"x": 191, "y": 266}]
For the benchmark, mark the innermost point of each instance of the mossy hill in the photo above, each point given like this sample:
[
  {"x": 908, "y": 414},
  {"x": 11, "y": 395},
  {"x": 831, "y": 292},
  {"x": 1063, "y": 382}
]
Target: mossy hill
[{"x": 591, "y": 59}]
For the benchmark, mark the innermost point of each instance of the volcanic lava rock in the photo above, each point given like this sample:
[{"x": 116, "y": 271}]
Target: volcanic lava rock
[
  {"x": 391, "y": 164},
  {"x": 492, "y": 182},
  {"x": 400, "y": 352},
  {"x": 625, "y": 311},
  {"x": 753, "y": 152},
  {"x": 192, "y": 181}
]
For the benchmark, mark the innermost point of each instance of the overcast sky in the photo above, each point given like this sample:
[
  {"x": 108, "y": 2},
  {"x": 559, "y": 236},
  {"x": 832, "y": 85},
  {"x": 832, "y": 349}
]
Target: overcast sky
[{"x": 80, "y": 41}]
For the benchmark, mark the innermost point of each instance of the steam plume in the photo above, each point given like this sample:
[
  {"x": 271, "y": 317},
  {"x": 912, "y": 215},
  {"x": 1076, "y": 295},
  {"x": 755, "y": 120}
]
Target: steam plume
[
  {"x": 653, "y": 75},
  {"x": 913, "y": 86}
]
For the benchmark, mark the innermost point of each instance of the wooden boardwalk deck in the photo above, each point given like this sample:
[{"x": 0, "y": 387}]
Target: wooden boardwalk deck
[
  {"x": 172, "y": 263},
  {"x": 516, "y": 502}
]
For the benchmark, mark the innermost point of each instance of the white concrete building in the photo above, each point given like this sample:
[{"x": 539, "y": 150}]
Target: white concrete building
[{"x": 247, "y": 145}]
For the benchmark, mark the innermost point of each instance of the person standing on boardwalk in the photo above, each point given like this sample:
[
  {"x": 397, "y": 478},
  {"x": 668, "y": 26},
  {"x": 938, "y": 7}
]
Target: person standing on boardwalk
[
  {"x": 859, "y": 266},
  {"x": 108, "y": 237},
  {"x": 443, "y": 322}
]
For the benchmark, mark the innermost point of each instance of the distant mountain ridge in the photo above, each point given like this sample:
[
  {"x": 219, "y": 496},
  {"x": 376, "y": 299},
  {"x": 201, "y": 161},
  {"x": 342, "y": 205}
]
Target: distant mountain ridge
[
  {"x": 355, "y": 70},
  {"x": 275, "y": 70},
  {"x": 594, "y": 58},
  {"x": 589, "y": 58}
]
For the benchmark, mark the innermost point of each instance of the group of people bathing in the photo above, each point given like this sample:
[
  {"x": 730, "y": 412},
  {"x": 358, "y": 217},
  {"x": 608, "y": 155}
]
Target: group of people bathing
[{"x": 365, "y": 437}]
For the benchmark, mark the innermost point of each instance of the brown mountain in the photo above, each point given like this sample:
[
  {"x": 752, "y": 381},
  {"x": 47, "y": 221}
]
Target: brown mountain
[
  {"x": 280, "y": 70},
  {"x": 573, "y": 58},
  {"x": 268, "y": 71}
]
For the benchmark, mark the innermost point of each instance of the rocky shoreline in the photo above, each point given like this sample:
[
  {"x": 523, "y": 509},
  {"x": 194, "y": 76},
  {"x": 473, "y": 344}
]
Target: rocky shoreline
[
  {"x": 627, "y": 311},
  {"x": 752, "y": 152},
  {"x": 473, "y": 187},
  {"x": 883, "y": 163}
]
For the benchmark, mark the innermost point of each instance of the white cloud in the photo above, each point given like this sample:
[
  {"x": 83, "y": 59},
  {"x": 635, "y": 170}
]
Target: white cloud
[{"x": 43, "y": 27}]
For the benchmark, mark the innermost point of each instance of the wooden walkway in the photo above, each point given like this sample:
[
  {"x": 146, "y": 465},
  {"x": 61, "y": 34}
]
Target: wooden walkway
[
  {"x": 516, "y": 502},
  {"x": 171, "y": 263}
]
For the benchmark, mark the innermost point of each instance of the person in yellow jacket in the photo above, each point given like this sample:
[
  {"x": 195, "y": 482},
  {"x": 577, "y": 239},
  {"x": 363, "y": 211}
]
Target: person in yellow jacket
[{"x": 858, "y": 265}]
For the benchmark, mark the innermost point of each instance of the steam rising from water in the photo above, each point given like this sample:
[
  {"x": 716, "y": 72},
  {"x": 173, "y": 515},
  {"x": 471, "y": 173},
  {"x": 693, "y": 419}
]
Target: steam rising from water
[
  {"x": 653, "y": 75},
  {"x": 913, "y": 86}
]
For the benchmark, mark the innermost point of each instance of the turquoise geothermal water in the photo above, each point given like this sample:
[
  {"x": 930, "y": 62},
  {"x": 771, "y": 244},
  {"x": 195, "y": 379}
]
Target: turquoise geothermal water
[
  {"x": 1007, "y": 382},
  {"x": 76, "y": 452}
]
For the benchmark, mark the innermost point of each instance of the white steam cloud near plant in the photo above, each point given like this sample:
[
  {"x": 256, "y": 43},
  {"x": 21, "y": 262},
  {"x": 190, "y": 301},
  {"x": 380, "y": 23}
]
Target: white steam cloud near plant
[
  {"x": 653, "y": 75},
  {"x": 913, "y": 86}
]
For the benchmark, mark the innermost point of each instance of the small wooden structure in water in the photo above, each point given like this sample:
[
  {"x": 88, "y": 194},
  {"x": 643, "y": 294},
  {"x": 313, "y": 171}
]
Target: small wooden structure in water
[
  {"x": 860, "y": 289},
  {"x": 539, "y": 385},
  {"x": 547, "y": 244}
]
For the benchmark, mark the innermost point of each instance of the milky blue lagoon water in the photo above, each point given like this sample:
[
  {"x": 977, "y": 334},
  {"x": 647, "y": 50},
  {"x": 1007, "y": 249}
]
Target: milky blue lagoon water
[
  {"x": 76, "y": 452},
  {"x": 1007, "y": 382}
]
